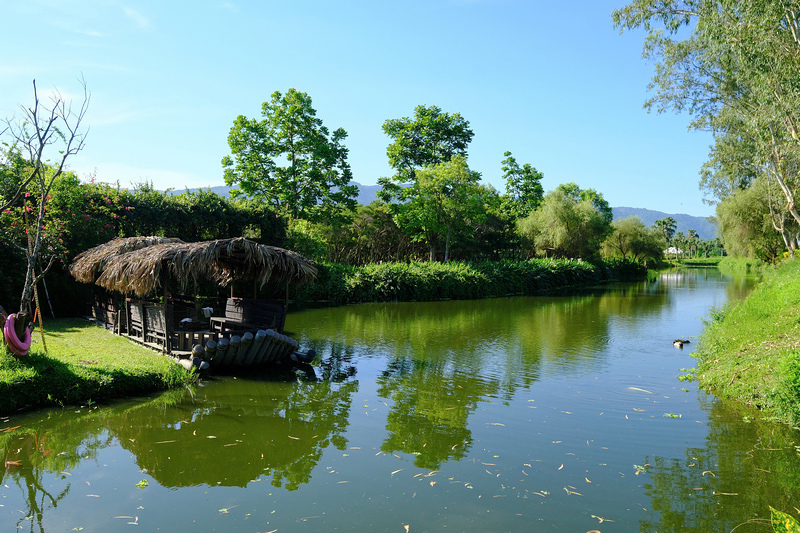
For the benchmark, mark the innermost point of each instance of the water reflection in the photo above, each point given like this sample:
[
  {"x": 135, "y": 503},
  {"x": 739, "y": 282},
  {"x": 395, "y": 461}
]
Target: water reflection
[
  {"x": 746, "y": 465},
  {"x": 531, "y": 410}
]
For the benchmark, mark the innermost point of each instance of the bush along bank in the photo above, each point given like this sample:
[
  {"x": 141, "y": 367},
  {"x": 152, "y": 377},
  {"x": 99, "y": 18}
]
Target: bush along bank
[
  {"x": 749, "y": 350},
  {"x": 409, "y": 282}
]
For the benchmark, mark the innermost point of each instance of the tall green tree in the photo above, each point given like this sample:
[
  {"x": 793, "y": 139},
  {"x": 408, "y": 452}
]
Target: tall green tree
[
  {"x": 524, "y": 190},
  {"x": 430, "y": 137},
  {"x": 313, "y": 183},
  {"x": 565, "y": 226},
  {"x": 572, "y": 191},
  {"x": 631, "y": 239},
  {"x": 445, "y": 202},
  {"x": 735, "y": 71},
  {"x": 667, "y": 227},
  {"x": 745, "y": 223}
]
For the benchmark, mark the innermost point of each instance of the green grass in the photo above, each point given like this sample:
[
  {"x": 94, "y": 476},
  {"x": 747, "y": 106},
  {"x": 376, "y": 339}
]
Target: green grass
[
  {"x": 84, "y": 364},
  {"x": 750, "y": 350},
  {"x": 701, "y": 261}
]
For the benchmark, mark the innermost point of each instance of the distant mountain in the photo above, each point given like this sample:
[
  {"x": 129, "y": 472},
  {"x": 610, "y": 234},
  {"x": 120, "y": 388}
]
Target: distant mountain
[{"x": 705, "y": 229}]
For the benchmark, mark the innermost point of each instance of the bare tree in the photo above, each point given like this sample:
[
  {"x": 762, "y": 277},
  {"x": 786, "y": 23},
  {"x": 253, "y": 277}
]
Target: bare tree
[{"x": 44, "y": 129}]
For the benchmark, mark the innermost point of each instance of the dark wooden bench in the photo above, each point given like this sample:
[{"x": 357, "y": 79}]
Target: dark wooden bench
[{"x": 245, "y": 314}]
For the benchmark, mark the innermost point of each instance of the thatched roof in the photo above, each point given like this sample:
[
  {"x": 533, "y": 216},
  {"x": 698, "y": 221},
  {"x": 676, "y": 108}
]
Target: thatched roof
[
  {"x": 222, "y": 261},
  {"x": 88, "y": 265}
]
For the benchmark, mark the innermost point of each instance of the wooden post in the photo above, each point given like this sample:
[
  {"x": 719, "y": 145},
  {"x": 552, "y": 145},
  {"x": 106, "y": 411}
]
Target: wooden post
[
  {"x": 168, "y": 327},
  {"x": 285, "y": 306}
]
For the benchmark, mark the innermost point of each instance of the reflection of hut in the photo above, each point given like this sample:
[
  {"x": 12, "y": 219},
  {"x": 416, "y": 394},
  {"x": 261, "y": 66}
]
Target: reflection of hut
[{"x": 248, "y": 329}]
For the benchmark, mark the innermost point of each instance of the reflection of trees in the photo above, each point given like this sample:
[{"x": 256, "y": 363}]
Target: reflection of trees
[
  {"x": 231, "y": 433},
  {"x": 704, "y": 490},
  {"x": 29, "y": 455},
  {"x": 432, "y": 401}
]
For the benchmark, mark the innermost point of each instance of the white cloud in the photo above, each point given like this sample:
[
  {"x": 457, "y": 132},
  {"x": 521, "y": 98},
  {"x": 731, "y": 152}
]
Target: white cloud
[{"x": 140, "y": 20}]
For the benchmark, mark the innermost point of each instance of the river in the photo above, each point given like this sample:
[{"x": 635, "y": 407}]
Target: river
[{"x": 553, "y": 413}]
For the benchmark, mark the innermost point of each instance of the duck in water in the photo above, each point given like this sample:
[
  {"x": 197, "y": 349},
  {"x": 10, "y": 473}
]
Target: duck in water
[{"x": 679, "y": 343}]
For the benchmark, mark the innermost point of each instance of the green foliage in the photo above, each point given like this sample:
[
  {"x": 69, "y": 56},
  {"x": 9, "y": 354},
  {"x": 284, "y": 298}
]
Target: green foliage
[
  {"x": 746, "y": 223},
  {"x": 315, "y": 184},
  {"x": 429, "y": 138},
  {"x": 783, "y": 522},
  {"x": 445, "y": 202},
  {"x": 339, "y": 284},
  {"x": 629, "y": 237},
  {"x": 567, "y": 224},
  {"x": 733, "y": 66},
  {"x": 524, "y": 191}
]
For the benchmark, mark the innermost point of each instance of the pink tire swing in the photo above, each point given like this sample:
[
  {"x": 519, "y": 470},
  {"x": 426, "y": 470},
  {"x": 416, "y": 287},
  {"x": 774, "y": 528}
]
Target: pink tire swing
[{"x": 16, "y": 345}]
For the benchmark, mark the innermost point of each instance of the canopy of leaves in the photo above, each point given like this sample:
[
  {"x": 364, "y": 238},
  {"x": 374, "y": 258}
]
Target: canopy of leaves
[
  {"x": 430, "y": 137},
  {"x": 314, "y": 181},
  {"x": 565, "y": 226}
]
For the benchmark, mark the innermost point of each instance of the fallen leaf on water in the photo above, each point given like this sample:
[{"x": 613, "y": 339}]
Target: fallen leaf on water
[
  {"x": 165, "y": 441},
  {"x": 562, "y": 466},
  {"x": 126, "y": 517},
  {"x": 641, "y": 390},
  {"x": 407, "y": 527},
  {"x": 539, "y": 494},
  {"x": 396, "y": 471},
  {"x": 495, "y": 424},
  {"x": 434, "y": 483},
  {"x": 295, "y": 438},
  {"x": 587, "y": 480},
  {"x": 709, "y": 472},
  {"x": 601, "y": 519},
  {"x": 92, "y": 495}
]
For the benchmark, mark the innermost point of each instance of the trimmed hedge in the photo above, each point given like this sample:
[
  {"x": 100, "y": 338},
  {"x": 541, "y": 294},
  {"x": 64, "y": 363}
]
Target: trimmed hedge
[{"x": 414, "y": 282}]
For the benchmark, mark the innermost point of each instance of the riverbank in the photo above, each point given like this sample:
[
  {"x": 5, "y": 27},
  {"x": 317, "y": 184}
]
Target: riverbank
[
  {"x": 430, "y": 281},
  {"x": 83, "y": 364},
  {"x": 750, "y": 350}
]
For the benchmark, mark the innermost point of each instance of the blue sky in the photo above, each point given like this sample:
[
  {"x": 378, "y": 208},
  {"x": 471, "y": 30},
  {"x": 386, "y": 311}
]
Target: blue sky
[{"x": 553, "y": 82}]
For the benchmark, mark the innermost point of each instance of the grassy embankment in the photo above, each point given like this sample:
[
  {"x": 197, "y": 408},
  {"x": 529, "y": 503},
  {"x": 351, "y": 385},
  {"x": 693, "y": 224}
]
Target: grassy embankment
[
  {"x": 84, "y": 364},
  {"x": 750, "y": 350}
]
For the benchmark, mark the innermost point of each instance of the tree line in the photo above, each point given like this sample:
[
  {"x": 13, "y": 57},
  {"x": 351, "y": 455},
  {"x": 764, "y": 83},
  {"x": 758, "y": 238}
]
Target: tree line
[
  {"x": 291, "y": 187},
  {"x": 434, "y": 207},
  {"x": 733, "y": 66}
]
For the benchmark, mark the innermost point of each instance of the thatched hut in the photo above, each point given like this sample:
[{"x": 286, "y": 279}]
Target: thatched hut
[{"x": 144, "y": 267}]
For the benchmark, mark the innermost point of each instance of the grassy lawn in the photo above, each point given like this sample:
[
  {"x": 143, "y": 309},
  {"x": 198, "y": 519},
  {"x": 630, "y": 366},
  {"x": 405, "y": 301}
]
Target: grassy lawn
[
  {"x": 84, "y": 364},
  {"x": 750, "y": 351}
]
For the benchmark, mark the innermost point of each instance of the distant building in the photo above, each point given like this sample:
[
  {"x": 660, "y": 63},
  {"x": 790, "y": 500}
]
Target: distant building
[{"x": 673, "y": 251}]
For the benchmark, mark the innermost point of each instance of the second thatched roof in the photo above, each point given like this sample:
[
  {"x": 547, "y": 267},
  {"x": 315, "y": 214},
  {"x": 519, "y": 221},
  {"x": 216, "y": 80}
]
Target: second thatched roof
[
  {"x": 140, "y": 271},
  {"x": 89, "y": 264}
]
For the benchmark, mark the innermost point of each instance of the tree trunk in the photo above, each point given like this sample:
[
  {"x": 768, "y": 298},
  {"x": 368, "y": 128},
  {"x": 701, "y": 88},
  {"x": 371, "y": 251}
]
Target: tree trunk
[{"x": 447, "y": 246}]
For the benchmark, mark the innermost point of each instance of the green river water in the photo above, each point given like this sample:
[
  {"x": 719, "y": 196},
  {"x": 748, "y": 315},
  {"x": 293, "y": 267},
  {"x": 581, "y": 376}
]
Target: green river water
[{"x": 556, "y": 413}]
